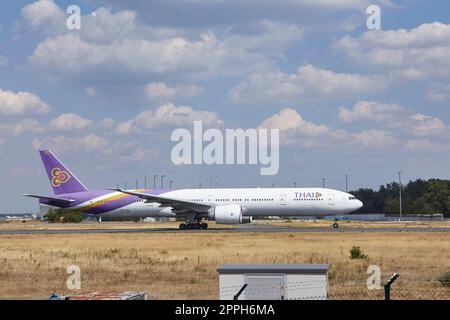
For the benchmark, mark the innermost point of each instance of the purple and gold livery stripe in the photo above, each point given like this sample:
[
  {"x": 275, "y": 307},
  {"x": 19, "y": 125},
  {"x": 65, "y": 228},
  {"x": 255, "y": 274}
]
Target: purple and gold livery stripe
[{"x": 110, "y": 203}]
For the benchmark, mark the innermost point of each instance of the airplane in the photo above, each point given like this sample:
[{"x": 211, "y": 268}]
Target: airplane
[{"x": 225, "y": 206}]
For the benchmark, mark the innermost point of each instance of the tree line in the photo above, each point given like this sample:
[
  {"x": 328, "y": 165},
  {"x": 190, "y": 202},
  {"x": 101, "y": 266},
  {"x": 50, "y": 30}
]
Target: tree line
[{"x": 418, "y": 197}]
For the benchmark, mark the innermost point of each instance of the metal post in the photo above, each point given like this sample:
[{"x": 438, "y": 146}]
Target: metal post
[
  {"x": 387, "y": 286},
  {"x": 162, "y": 180},
  {"x": 346, "y": 183},
  {"x": 145, "y": 182},
  {"x": 136, "y": 183},
  {"x": 323, "y": 182},
  {"x": 295, "y": 184},
  {"x": 400, "y": 191},
  {"x": 125, "y": 186},
  {"x": 236, "y": 296},
  {"x": 154, "y": 181},
  {"x": 171, "y": 181}
]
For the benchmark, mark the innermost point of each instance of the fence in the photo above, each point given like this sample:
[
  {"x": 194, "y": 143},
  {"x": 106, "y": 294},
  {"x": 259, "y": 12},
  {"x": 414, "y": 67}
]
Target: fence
[{"x": 425, "y": 288}]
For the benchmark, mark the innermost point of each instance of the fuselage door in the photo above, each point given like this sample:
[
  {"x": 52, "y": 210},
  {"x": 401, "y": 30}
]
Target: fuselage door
[
  {"x": 283, "y": 200},
  {"x": 331, "y": 199}
]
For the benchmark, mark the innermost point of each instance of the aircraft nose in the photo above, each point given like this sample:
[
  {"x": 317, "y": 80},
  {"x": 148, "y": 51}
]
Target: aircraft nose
[{"x": 359, "y": 204}]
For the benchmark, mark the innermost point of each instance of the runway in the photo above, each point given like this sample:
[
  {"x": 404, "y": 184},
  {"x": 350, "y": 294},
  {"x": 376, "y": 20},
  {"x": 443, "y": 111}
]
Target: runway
[{"x": 248, "y": 229}]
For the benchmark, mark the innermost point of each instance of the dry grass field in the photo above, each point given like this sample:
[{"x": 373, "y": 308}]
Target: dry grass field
[
  {"x": 183, "y": 266},
  {"x": 42, "y": 225}
]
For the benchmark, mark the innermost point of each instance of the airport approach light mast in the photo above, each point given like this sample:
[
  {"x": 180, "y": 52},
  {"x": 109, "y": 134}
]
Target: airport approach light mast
[
  {"x": 162, "y": 180},
  {"x": 154, "y": 181},
  {"x": 400, "y": 191}
]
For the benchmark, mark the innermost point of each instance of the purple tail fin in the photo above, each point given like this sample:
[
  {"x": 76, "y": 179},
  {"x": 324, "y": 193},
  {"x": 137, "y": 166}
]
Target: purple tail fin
[{"x": 61, "y": 179}]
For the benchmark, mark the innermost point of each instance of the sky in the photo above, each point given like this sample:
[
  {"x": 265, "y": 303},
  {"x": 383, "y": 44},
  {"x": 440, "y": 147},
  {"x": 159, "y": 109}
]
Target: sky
[{"x": 105, "y": 98}]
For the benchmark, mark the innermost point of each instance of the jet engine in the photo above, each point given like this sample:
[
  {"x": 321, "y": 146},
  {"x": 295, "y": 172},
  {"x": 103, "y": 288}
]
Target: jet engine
[{"x": 228, "y": 214}]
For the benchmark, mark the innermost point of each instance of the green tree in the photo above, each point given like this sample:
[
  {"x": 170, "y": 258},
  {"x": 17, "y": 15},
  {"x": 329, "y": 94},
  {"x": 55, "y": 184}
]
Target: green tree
[{"x": 419, "y": 197}]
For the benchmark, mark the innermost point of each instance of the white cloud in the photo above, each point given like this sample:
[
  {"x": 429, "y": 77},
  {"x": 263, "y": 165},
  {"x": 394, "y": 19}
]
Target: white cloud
[
  {"x": 294, "y": 130},
  {"x": 423, "y": 125},
  {"x": 168, "y": 115},
  {"x": 308, "y": 82},
  {"x": 44, "y": 15},
  {"x": 410, "y": 54},
  {"x": 207, "y": 55},
  {"x": 394, "y": 116},
  {"x": 161, "y": 92},
  {"x": 141, "y": 154},
  {"x": 20, "y": 103},
  {"x": 23, "y": 126},
  {"x": 373, "y": 138},
  {"x": 69, "y": 122},
  {"x": 106, "y": 123},
  {"x": 425, "y": 145},
  {"x": 90, "y": 142},
  {"x": 438, "y": 92},
  {"x": 288, "y": 119},
  {"x": 90, "y": 91},
  {"x": 117, "y": 42},
  {"x": 395, "y": 125},
  {"x": 370, "y": 111}
]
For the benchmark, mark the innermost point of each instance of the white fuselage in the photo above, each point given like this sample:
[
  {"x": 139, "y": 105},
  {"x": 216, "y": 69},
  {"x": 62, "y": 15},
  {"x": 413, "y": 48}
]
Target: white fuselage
[{"x": 254, "y": 202}]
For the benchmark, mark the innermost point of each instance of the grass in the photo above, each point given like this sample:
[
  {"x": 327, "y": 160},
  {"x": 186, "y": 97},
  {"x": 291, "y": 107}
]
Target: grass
[
  {"x": 41, "y": 225},
  {"x": 183, "y": 266}
]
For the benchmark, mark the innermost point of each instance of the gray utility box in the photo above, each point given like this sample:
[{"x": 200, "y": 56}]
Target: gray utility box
[{"x": 274, "y": 281}]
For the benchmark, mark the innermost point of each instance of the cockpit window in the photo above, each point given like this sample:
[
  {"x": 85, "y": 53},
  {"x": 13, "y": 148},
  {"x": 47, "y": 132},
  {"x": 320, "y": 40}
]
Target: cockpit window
[{"x": 352, "y": 198}]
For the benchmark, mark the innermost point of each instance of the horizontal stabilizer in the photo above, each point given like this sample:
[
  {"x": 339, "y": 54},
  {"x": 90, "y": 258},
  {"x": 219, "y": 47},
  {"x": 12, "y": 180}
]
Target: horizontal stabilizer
[{"x": 51, "y": 200}]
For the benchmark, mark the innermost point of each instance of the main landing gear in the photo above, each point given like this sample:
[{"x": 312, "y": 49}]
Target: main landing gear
[
  {"x": 193, "y": 225},
  {"x": 335, "y": 225}
]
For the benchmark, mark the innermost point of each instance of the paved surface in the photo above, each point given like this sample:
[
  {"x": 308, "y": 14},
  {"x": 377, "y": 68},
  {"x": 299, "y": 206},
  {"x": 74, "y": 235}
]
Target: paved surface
[{"x": 246, "y": 228}]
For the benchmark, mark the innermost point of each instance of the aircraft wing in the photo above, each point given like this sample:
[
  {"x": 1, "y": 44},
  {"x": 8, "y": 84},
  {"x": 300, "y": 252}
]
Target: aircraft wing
[
  {"x": 178, "y": 205},
  {"x": 52, "y": 200}
]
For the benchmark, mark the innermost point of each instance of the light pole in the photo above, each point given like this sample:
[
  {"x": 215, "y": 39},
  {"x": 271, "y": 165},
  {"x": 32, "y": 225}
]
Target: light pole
[
  {"x": 125, "y": 186},
  {"x": 145, "y": 182},
  {"x": 323, "y": 182},
  {"x": 400, "y": 191},
  {"x": 295, "y": 184},
  {"x": 346, "y": 183},
  {"x": 136, "y": 184},
  {"x": 154, "y": 181},
  {"x": 162, "y": 180},
  {"x": 171, "y": 181}
]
